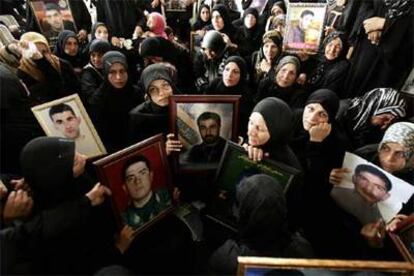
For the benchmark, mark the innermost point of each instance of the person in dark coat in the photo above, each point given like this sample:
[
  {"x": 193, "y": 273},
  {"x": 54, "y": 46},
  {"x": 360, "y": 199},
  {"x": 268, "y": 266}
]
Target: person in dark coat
[
  {"x": 63, "y": 219},
  {"x": 331, "y": 70},
  {"x": 67, "y": 47},
  {"x": 203, "y": 18},
  {"x": 221, "y": 22},
  {"x": 248, "y": 37},
  {"x": 365, "y": 118},
  {"x": 112, "y": 101},
  {"x": 45, "y": 75},
  {"x": 262, "y": 227},
  {"x": 382, "y": 55},
  {"x": 100, "y": 31},
  {"x": 284, "y": 85},
  {"x": 151, "y": 117},
  {"x": 92, "y": 74}
]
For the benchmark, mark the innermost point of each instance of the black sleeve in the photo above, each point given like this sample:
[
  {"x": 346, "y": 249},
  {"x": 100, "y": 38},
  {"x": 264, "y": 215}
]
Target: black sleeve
[{"x": 88, "y": 85}]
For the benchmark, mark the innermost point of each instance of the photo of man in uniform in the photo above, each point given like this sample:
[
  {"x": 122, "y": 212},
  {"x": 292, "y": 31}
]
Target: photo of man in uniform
[
  {"x": 145, "y": 203},
  {"x": 371, "y": 186},
  {"x": 297, "y": 34},
  {"x": 212, "y": 145}
]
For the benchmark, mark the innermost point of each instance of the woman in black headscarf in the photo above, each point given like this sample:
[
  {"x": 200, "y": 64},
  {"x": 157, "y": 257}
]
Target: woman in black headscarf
[
  {"x": 262, "y": 223},
  {"x": 248, "y": 37},
  {"x": 331, "y": 70},
  {"x": 234, "y": 82},
  {"x": 366, "y": 118},
  {"x": 220, "y": 21},
  {"x": 67, "y": 47},
  {"x": 284, "y": 85},
  {"x": 111, "y": 103},
  {"x": 203, "y": 18},
  {"x": 151, "y": 117},
  {"x": 92, "y": 74},
  {"x": 63, "y": 201}
]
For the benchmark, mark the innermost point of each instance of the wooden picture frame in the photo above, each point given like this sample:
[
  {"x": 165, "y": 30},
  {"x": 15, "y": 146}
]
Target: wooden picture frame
[
  {"x": 185, "y": 113},
  {"x": 140, "y": 180},
  {"x": 235, "y": 165},
  {"x": 304, "y": 27},
  {"x": 52, "y": 17},
  {"x": 67, "y": 117},
  {"x": 265, "y": 266},
  {"x": 403, "y": 238}
]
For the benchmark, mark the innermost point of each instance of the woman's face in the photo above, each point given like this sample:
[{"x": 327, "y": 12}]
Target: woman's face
[
  {"x": 217, "y": 21},
  {"x": 118, "y": 75},
  {"x": 250, "y": 21},
  {"x": 287, "y": 75},
  {"x": 205, "y": 14},
  {"x": 257, "y": 131},
  {"x": 276, "y": 10},
  {"x": 392, "y": 156},
  {"x": 96, "y": 60},
  {"x": 231, "y": 74},
  {"x": 314, "y": 114},
  {"x": 160, "y": 91},
  {"x": 270, "y": 50},
  {"x": 150, "y": 22},
  {"x": 79, "y": 162},
  {"x": 101, "y": 33},
  {"x": 333, "y": 49},
  {"x": 383, "y": 120},
  {"x": 71, "y": 46}
]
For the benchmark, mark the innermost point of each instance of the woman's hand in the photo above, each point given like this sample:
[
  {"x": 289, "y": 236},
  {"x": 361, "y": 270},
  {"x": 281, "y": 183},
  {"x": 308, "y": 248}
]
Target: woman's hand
[
  {"x": 319, "y": 132},
  {"x": 125, "y": 238},
  {"x": 98, "y": 194},
  {"x": 374, "y": 24},
  {"x": 172, "y": 145},
  {"x": 337, "y": 175},
  {"x": 18, "y": 205},
  {"x": 374, "y": 233},
  {"x": 256, "y": 154},
  {"x": 395, "y": 222},
  {"x": 265, "y": 65}
]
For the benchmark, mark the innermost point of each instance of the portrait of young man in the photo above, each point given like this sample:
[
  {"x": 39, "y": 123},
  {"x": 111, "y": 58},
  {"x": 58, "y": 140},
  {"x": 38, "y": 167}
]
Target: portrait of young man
[
  {"x": 297, "y": 34},
  {"x": 212, "y": 144},
  {"x": 371, "y": 186},
  {"x": 53, "y": 21},
  {"x": 145, "y": 202}
]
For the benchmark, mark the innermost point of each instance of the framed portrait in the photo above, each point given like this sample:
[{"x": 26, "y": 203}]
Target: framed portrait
[
  {"x": 53, "y": 16},
  {"x": 259, "y": 5},
  {"x": 175, "y": 6},
  {"x": 249, "y": 266},
  {"x": 67, "y": 118},
  {"x": 140, "y": 180},
  {"x": 203, "y": 124},
  {"x": 403, "y": 238},
  {"x": 195, "y": 41},
  {"x": 304, "y": 27},
  {"x": 368, "y": 192},
  {"x": 235, "y": 165},
  {"x": 408, "y": 86}
]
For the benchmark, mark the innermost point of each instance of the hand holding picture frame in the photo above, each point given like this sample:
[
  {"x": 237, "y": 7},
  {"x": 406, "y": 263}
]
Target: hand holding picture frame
[
  {"x": 67, "y": 118},
  {"x": 304, "y": 27},
  {"x": 203, "y": 124},
  {"x": 235, "y": 165},
  {"x": 140, "y": 180}
]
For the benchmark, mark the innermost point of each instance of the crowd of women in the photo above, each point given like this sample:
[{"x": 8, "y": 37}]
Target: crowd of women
[{"x": 302, "y": 110}]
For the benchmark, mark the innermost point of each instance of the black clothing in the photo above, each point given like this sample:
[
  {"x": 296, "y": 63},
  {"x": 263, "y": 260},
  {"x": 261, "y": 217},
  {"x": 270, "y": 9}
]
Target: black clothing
[
  {"x": 206, "y": 153},
  {"x": 77, "y": 61},
  {"x": 200, "y": 24},
  {"x": 91, "y": 80},
  {"x": 263, "y": 231}
]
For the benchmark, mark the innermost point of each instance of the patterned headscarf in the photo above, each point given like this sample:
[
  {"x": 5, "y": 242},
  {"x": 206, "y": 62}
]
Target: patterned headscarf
[
  {"x": 403, "y": 134},
  {"x": 376, "y": 102},
  {"x": 398, "y": 8}
]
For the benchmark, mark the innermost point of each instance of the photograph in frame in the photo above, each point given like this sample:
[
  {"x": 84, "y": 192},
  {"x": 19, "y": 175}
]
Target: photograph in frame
[
  {"x": 140, "y": 180},
  {"x": 235, "y": 165},
  {"x": 175, "y": 6},
  {"x": 53, "y": 16},
  {"x": 368, "y": 192},
  {"x": 67, "y": 118},
  {"x": 304, "y": 27},
  {"x": 203, "y": 124},
  {"x": 257, "y": 266},
  {"x": 403, "y": 238}
]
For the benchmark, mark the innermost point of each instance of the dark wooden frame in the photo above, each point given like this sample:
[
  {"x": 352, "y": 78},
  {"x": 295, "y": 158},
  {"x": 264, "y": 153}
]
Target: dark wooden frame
[
  {"x": 406, "y": 225},
  {"x": 123, "y": 155},
  {"x": 202, "y": 99},
  {"x": 403, "y": 268},
  {"x": 263, "y": 166}
]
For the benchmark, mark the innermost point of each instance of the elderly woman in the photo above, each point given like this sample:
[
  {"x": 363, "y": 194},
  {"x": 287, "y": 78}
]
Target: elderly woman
[
  {"x": 45, "y": 75},
  {"x": 331, "y": 69},
  {"x": 366, "y": 118},
  {"x": 249, "y": 36},
  {"x": 221, "y": 22},
  {"x": 284, "y": 85},
  {"x": 262, "y": 214},
  {"x": 67, "y": 47},
  {"x": 264, "y": 60}
]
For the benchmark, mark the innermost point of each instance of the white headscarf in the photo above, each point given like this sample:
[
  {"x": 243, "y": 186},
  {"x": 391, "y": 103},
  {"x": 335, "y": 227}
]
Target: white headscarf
[{"x": 403, "y": 134}]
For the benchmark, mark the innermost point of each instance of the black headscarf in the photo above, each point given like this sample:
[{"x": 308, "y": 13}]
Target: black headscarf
[
  {"x": 95, "y": 26},
  {"x": 47, "y": 164},
  {"x": 99, "y": 46},
  {"x": 75, "y": 61},
  {"x": 200, "y": 24},
  {"x": 327, "y": 99},
  {"x": 262, "y": 214},
  {"x": 255, "y": 13},
  {"x": 228, "y": 28},
  {"x": 242, "y": 67},
  {"x": 112, "y": 57},
  {"x": 278, "y": 118}
]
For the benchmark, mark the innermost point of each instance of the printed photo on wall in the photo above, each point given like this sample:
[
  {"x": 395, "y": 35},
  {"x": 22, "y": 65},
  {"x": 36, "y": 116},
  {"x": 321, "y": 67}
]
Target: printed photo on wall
[{"x": 368, "y": 192}]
